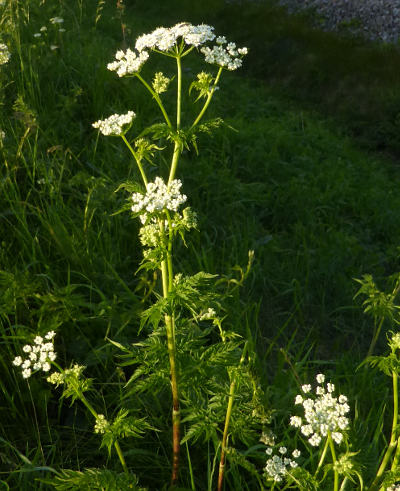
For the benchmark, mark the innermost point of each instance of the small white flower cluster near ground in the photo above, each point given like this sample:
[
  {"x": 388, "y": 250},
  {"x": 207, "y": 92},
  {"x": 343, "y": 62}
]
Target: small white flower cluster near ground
[
  {"x": 393, "y": 487},
  {"x": 39, "y": 355},
  {"x": 101, "y": 424},
  {"x": 4, "y": 54},
  {"x": 159, "y": 197},
  {"x": 166, "y": 39},
  {"x": 277, "y": 465},
  {"x": 58, "y": 378},
  {"x": 224, "y": 54},
  {"x": 114, "y": 124},
  {"x": 323, "y": 413},
  {"x": 209, "y": 314}
]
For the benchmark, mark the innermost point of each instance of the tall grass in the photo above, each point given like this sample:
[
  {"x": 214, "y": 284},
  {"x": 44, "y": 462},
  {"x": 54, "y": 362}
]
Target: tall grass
[{"x": 279, "y": 178}]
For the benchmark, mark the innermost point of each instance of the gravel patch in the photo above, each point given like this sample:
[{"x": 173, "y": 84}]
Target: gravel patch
[{"x": 377, "y": 20}]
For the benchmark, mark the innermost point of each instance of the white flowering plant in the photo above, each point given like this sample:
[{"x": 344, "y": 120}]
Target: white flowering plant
[{"x": 185, "y": 302}]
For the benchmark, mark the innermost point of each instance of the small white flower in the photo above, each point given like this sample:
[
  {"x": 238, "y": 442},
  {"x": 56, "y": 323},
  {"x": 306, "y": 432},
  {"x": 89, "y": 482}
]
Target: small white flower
[
  {"x": 46, "y": 367},
  {"x": 306, "y": 388},
  {"x": 269, "y": 450},
  {"x": 26, "y": 364},
  {"x": 27, "y": 348},
  {"x": 17, "y": 361},
  {"x": 50, "y": 335},
  {"x": 282, "y": 450},
  {"x": 56, "y": 20},
  {"x": 4, "y": 54},
  {"x": 37, "y": 35},
  {"x": 43, "y": 29},
  {"x": 299, "y": 399},
  {"x": 38, "y": 340},
  {"x": 26, "y": 373},
  {"x": 295, "y": 421},
  {"x": 296, "y": 453},
  {"x": 320, "y": 378},
  {"x": 53, "y": 47}
]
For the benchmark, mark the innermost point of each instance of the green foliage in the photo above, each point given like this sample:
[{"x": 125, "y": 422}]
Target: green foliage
[
  {"x": 124, "y": 426},
  {"x": 94, "y": 480}
]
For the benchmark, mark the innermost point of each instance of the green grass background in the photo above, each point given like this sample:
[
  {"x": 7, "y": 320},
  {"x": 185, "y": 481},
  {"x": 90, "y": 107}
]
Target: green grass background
[{"x": 307, "y": 178}]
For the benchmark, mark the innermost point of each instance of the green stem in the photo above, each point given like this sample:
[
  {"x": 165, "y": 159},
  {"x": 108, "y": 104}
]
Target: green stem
[
  {"x": 139, "y": 164},
  {"x": 375, "y": 338},
  {"x": 227, "y": 421},
  {"x": 179, "y": 93},
  {"x": 335, "y": 472},
  {"x": 169, "y": 253},
  {"x": 175, "y": 160},
  {"x": 116, "y": 444},
  {"x": 157, "y": 98},
  {"x": 121, "y": 457},
  {"x": 170, "y": 329},
  {"x": 208, "y": 100},
  {"x": 393, "y": 440},
  {"x": 323, "y": 455}
]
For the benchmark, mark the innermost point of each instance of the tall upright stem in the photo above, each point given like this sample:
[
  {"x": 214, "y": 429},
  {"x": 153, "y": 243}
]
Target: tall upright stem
[
  {"x": 227, "y": 421},
  {"x": 335, "y": 472},
  {"x": 166, "y": 269},
  {"x": 179, "y": 92},
  {"x": 393, "y": 440}
]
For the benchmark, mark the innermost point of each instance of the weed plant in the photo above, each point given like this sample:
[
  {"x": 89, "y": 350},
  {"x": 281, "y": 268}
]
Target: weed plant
[{"x": 276, "y": 178}]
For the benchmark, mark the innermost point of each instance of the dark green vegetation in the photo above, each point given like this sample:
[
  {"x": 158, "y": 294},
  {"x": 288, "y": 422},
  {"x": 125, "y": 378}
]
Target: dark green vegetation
[{"x": 295, "y": 185}]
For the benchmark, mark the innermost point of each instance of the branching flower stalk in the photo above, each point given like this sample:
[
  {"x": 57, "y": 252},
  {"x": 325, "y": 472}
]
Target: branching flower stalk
[{"x": 159, "y": 206}]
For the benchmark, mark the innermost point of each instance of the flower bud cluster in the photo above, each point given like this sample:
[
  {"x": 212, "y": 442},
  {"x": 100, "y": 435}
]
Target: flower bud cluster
[
  {"x": 160, "y": 83},
  {"x": 58, "y": 378},
  {"x": 101, "y": 424},
  {"x": 277, "y": 465},
  {"x": 114, "y": 125},
  {"x": 224, "y": 54},
  {"x": 323, "y": 413},
  {"x": 39, "y": 355},
  {"x": 159, "y": 197},
  {"x": 128, "y": 62},
  {"x": 4, "y": 54}
]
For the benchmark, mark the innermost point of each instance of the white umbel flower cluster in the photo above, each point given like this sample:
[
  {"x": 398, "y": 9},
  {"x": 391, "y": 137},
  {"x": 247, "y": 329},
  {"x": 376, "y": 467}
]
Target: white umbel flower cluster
[
  {"x": 159, "y": 197},
  {"x": 277, "y": 465},
  {"x": 4, "y": 54},
  {"x": 323, "y": 413},
  {"x": 224, "y": 54},
  {"x": 39, "y": 355},
  {"x": 164, "y": 39},
  {"x": 114, "y": 124},
  {"x": 128, "y": 62}
]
